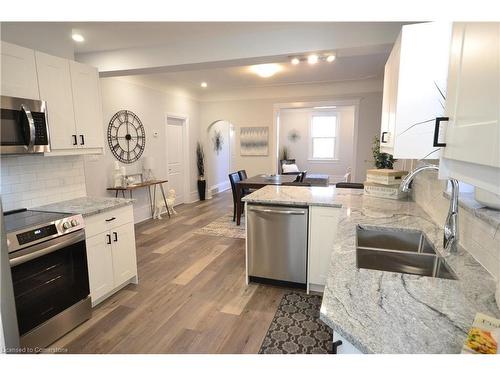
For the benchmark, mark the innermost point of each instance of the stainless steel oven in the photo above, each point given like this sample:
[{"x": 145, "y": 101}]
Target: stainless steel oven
[
  {"x": 48, "y": 261},
  {"x": 23, "y": 126}
]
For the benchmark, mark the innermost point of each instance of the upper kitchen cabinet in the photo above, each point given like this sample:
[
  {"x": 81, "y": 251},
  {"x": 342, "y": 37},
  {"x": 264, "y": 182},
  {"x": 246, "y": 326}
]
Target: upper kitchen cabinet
[
  {"x": 87, "y": 105},
  {"x": 472, "y": 152},
  {"x": 415, "y": 90},
  {"x": 19, "y": 77},
  {"x": 54, "y": 80}
]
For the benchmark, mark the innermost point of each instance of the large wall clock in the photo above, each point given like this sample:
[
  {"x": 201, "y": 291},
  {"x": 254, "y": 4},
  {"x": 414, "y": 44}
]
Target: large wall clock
[{"x": 126, "y": 136}]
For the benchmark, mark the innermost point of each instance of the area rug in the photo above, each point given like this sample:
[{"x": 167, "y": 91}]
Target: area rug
[
  {"x": 224, "y": 227},
  {"x": 296, "y": 327}
]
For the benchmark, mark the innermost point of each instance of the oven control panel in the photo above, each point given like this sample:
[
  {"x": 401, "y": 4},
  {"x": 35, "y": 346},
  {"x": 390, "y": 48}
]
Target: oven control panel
[{"x": 36, "y": 234}]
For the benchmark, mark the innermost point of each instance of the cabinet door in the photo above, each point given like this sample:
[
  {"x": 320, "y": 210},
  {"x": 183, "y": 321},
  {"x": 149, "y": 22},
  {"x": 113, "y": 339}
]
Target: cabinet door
[
  {"x": 100, "y": 264},
  {"x": 87, "y": 105},
  {"x": 55, "y": 88},
  {"x": 473, "y": 130},
  {"x": 124, "y": 257},
  {"x": 18, "y": 72},
  {"x": 323, "y": 223}
]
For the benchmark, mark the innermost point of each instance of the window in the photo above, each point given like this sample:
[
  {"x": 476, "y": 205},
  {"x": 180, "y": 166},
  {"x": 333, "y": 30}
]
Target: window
[{"x": 323, "y": 137}]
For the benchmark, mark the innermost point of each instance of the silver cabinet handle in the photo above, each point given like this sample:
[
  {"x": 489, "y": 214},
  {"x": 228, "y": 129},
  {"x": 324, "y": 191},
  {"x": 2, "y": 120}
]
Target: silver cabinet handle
[
  {"x": 31, "y": 123},
  {"x": 288, "y": 212}
]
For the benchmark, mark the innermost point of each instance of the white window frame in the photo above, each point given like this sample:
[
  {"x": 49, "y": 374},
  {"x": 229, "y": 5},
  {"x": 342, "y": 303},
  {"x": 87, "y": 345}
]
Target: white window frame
[{"x": 336, "y": 138}]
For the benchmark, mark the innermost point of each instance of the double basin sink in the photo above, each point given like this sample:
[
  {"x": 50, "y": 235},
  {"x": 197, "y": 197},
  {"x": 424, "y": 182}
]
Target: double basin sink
[{"x": 399, "y": 250}]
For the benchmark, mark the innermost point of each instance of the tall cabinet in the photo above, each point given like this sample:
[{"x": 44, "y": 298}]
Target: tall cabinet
[
  {"x": 415, "y": 90},
  {"x": 472, "y": 152}
]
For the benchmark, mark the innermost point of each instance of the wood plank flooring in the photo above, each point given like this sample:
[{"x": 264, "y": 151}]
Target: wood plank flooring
[{"x": 191, "y": 296}]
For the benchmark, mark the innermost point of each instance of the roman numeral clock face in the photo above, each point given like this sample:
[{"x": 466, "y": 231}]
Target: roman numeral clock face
[{"x": 126, "y": 136}]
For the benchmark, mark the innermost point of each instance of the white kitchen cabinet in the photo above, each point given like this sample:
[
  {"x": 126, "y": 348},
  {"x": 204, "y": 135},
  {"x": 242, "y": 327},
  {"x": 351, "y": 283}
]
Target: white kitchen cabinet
[
  {"x": 87, "y": 105},
  {"x": 111, "y": 252},
  {"x": 415, "y": 90},
  {"x": 54, "y": 81},
  {"x": 323, "y": 222},
  {"x": 346, "y": 347},
  {"x": 472, "y": 152},
  {"x": 19, "y": 76}
]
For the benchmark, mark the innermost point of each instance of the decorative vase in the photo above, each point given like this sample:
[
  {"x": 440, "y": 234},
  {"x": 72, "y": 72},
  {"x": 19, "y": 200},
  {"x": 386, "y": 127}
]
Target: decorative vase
[{"x": 202, "y": 187}]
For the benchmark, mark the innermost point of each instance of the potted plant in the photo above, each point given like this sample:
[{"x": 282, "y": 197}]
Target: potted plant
[
  {"x": 381, "y": 159},
  {"x": 200, "y": 163}
]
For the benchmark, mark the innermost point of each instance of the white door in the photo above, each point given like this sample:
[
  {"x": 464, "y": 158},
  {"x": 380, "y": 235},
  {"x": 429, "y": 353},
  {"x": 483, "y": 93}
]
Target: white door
[
  {"x": 87, "y": 105},
  {"x": 18, "y": 71},
  {"x": 55, "y": 88},
  {"x": 124, "y": 256},
  {"x": 100, "y": 263},
  {"x": 175, "y": 153}
]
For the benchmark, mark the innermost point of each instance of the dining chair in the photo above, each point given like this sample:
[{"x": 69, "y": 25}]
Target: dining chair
[
  {"x": 233, "y": 179},
  {"x": 242, "y": 174},
  {"x": 301, "y": 176}
]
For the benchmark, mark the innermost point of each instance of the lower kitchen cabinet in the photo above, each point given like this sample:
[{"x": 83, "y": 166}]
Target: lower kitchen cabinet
[
  {"x": 111, "y": 253},
  {"x": 323, "y": 222},
  {"x": 344, "y": 346}
]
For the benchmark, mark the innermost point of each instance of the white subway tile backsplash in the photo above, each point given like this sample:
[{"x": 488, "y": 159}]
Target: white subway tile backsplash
[{"x": 34, "y": 180}]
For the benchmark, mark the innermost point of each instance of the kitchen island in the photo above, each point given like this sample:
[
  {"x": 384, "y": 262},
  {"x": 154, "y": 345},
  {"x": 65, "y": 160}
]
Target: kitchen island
[{"x": 389, "y": 312}]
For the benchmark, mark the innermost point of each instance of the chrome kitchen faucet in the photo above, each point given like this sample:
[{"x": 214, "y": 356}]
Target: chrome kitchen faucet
[{"x": 451, "y": 225}]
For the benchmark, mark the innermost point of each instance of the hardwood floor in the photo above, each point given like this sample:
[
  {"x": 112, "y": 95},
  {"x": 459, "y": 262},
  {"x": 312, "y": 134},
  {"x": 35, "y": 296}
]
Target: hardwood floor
[{"x": 191, "y": 296}]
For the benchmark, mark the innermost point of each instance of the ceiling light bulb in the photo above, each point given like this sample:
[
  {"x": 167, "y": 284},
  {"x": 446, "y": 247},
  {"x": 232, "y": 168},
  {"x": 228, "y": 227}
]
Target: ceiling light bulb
[
  {"x": 330, "y": 58},
  {"x": 204, "y": 84},
  {"x": 295, "y": 61},
  {"x": 77, "y": 38},
  {"x": 312, "y": 59},
  {"x": 266, "y": 70}
]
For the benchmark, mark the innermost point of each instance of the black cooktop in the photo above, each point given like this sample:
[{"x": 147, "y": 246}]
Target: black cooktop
[{"x": 20, "y": 219}]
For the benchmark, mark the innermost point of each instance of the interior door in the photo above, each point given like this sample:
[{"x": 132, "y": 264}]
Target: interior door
[
  {"x": 175, "y": 158},
  {"x": 124, "y": 257},
  {"x": 87, "y": 105},
  {"x": 55, "y": 88}
]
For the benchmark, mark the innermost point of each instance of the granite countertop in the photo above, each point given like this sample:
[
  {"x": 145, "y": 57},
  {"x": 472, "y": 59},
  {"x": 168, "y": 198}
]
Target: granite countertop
[
  {"x": 87, "y": 206},
  {"x": 388, "y": 312},
  {"x": 295, "y": 195}
]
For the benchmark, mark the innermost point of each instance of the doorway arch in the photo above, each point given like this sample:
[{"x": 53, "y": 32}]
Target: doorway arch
[{"x": 220, "y": 155}]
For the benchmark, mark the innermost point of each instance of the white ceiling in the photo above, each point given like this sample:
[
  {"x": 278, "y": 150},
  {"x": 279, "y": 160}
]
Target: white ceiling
[{"x": 342, "y": 69}]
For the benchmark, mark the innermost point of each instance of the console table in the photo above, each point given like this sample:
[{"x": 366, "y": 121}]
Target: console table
[{"x": 147, "y": 185}]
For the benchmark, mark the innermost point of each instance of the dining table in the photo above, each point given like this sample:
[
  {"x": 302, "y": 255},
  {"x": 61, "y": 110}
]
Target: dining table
[{"x": 257, "y": 182}]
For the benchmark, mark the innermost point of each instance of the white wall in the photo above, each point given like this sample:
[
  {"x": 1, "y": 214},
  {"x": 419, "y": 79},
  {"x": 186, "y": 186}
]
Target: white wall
[
  {"x": 34, "y": 180},
  {"x": 299, "y": 120},
  {"x": 219, "y": 162},
  {"x": 255, "y": 107},
  {"x": 151, "y": 106}
]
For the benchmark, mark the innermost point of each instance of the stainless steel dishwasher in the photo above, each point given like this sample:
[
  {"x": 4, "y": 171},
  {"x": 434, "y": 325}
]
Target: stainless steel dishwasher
[{"x": 277, "y": 243}]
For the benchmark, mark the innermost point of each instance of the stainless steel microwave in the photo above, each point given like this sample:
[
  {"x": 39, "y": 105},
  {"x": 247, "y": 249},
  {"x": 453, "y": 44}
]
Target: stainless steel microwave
[{"x": 24, "y": 126}]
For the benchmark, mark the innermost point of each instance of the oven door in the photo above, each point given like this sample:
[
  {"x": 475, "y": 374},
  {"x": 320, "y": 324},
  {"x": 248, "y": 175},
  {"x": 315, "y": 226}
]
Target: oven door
[
  {"x": 23, "y": 126},
  {"x": 48, "y": 278}
]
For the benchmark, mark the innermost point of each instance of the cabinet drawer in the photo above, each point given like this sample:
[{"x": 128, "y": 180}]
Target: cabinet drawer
[{"x": 108, "y": 220}]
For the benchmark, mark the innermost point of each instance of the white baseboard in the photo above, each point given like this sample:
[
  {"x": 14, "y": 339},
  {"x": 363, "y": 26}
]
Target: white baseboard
[{"x": 219, "y": 188}]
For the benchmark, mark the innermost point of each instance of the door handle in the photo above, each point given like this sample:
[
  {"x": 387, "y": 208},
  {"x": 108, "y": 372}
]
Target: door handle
[
  {"x": 278, "y": 211},
  {"x": 382, "y": 138},
  {"x": 116, "y": 236},
  {"x": 75, "y": 141},
  {"x": 109, "y": 239},
  {"x": 436, "y": 131},
  {"x": 82, "y": 140},
  {"x": 31, "y": 123}
]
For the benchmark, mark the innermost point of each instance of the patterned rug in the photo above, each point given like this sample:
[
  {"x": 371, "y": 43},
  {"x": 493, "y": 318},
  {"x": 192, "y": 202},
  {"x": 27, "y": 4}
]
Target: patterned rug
[
  {"x": 296, "y": 327},
  {"x": 225, "y": 227}
]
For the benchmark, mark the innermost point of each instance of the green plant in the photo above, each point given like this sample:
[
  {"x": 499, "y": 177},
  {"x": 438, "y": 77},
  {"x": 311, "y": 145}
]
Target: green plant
[
  {"x": 200, "y": 160},
  {"x": 382, "y": 160}
]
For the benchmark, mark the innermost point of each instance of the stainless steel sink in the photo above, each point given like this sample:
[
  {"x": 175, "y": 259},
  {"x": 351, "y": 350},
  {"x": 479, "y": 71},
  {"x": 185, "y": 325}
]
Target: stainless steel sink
[{"x": 398, "y": 250}]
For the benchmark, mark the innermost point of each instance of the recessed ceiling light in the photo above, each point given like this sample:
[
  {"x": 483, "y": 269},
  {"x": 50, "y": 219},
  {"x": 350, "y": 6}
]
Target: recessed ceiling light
[
  {"x": 266, "y": 70},
  {"x": 295, "y": 61},
  {"x": 204, "y": 85},
  {"x": 326, "y": 107},
  {"x": 330, "y": 58},
  {"x": 78, "y": 37},
  {"x": 312, "y": 59}
]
